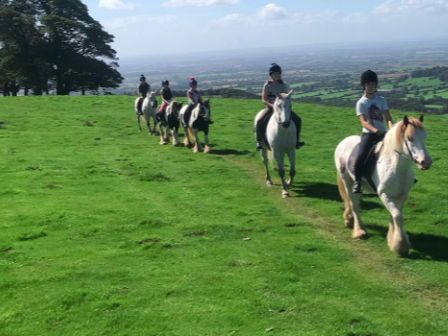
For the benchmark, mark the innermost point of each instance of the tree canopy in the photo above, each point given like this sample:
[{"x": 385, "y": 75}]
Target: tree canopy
[{"x": 47, "y": 44}]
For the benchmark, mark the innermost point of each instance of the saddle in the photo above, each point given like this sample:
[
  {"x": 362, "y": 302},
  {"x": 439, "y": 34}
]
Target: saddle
[{"x": 369, "y": 164}]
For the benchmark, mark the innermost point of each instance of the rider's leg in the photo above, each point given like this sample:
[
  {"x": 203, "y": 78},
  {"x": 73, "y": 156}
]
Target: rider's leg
[
  {"x": 298, "y": 121},
  {"x": 140, "y": 104},
  {"x": 367, "y": 141},
  {"x": 259, "y": 129}
]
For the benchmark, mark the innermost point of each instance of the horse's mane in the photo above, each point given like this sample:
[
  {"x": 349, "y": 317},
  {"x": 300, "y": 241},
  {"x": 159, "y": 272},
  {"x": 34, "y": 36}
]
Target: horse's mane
[{"x": 393, "y": 140}]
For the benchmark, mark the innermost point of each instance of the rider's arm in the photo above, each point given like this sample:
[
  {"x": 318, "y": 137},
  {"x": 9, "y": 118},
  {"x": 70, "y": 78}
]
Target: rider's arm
[
  {"x": 388, "y": 117},
  {"x": 189, "y": 98},
  {"x": 366, "y": 125},
  {"x": 264, "y": 97},
  {"x": 199, "y": 97}
]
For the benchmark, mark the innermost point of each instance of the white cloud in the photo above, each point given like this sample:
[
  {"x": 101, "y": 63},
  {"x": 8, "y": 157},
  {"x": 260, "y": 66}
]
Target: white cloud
[
  {"x": 391, "y": 7},
  {"x": 199, "y": 3},
  {"x": 115, "y": 4},
  {"x": 126, "y": 22},
  {"x": 356, "y": 17},
  {"x": 272, "y": 12}
]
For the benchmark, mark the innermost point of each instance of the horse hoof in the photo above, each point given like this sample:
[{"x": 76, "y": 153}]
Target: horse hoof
[
  {"x": 195, "y": 150},
  {"x": 162, "y": 142},
  {"x": 269, "y": 183},
  {"x": 207, "y": 150},
  {"x": 285, "y": 194},
  {"x": 288, "y": 183},
  {"x": 176, "y": 144},
  {"x": 360, "y": 234},
  {"x": 186, "y": 142}
]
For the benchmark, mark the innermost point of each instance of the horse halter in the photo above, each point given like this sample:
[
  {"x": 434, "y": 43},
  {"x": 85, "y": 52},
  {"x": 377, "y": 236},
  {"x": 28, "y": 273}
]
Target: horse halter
[{"x": 411, "y": 156}]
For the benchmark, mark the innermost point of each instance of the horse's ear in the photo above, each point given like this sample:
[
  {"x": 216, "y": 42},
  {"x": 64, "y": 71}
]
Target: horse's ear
[
  {"x": 290, "y": 93},
  {"x": 406, "y": 120},
  {"x": 421, "y": 118}
]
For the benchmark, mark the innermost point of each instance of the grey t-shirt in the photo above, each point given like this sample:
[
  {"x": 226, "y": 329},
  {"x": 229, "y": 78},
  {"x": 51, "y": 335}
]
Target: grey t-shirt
[
  {"x": 373, "y": 110},
  {"x": 273, "y": 89}
]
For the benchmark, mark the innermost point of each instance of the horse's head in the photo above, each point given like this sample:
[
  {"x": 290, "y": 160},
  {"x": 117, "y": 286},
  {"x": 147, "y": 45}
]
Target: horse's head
[
  {"x": 174, "y": 108},
  {"x": 408, "y": 138},
  {"x": 152, "y": 98},
  {"x": 413, "y": 135},
  {"x": 205, "y": 109},
  {"x": 282, "y": 109}
]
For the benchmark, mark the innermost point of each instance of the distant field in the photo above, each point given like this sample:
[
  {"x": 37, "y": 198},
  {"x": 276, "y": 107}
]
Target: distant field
[{"x": 424, "y": 81}]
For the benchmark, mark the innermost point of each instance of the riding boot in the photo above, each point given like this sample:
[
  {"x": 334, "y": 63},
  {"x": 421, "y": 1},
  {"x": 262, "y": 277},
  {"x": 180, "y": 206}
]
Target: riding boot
[
  {"x": 258, "y": 131},
  {"x": 357, "y": 187},
  {"x": 298, "y": 122}
]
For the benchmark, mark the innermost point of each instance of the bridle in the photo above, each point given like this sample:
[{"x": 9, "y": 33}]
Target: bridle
[{"x": 411, "y": 156}]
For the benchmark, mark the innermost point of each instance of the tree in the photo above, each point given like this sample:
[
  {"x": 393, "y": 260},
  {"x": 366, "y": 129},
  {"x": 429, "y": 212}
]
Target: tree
[{"x": 57, "y": 40}]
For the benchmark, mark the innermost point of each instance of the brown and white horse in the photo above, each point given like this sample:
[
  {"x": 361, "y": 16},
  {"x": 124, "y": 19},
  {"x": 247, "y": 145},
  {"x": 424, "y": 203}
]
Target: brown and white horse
[{"x": 392, "y": 175}]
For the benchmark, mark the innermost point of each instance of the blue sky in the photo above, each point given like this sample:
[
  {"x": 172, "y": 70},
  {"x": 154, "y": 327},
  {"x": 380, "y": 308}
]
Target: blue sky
[{"x": 143, "y": 27}]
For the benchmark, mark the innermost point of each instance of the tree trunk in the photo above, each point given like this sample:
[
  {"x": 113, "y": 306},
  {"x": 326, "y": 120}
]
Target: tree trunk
[{"x": 14, "y": 88}]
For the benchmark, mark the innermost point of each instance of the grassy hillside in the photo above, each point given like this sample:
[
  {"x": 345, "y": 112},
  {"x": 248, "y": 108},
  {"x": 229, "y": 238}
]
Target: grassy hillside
[{"x": 105, "y": 232}]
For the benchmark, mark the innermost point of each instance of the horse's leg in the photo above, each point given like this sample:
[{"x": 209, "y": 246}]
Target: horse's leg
[
  {"x": 359, "y": 229},
  {"x": 264, "y": 156},
  {"x": 138, "y": 120},
  {"x": 292, "y": 164},
  {"x": 187, "y": 141},
  {"x": 279, "y": 158},
  {"x": 147, "y": 117},
  {"x": 348, "y": 216},
  {"x": 399, "y": 241},
  {"x": 161, "y": 133},
  {"x": 197, "y": 144},
  {"x": 207, "y": 148},
  {"x": 176, "y": 141},
  {"x": 155, "y": 123}
]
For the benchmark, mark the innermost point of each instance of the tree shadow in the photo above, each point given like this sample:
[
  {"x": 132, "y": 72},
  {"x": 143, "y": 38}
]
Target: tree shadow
[
  {"x": 424, "y": 246},
  {"x": 229, "y": 152},
  {"x": 327, "y": 191}
]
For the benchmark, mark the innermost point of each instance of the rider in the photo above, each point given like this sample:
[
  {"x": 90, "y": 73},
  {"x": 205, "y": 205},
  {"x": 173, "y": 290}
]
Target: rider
[
  {"x": 270, "y": 88},
  {"x": 194, "y": 98},
  {"x": 370, "y": 110},
  {"x": 166, "y": 94},
  {"x": 142, "y": 91}
]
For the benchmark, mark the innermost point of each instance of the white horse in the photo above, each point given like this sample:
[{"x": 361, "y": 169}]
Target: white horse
[
  {"x": 281, "y": 138},
  {"x": 149, "y": 110},
  {"x": 197, "y": 122},
  {"x": 392, "y": 175},
  {"x": 169, "y": 121}
]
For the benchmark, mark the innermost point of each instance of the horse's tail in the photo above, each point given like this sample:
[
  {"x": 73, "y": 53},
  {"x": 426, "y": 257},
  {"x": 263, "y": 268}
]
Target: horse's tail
[
  {"x": 342, "y": 190},
  {"x": 190, "y": 134}
]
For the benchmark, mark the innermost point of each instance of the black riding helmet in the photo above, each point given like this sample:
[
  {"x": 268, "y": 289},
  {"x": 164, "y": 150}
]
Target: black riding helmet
[
  {"x": 142, "y": 77},
  {"x": 165, "y": 82},
  {"x": 274, "y": 68},
  {"x": 369, "y": 76}
]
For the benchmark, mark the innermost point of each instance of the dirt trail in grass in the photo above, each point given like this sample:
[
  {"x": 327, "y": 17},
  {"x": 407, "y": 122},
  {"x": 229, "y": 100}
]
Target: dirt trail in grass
[{"x": 378, "y": 263}]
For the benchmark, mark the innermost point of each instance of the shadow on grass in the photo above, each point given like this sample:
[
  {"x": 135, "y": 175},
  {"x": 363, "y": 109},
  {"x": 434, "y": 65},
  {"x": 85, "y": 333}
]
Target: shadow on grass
[
  {"x": 327, "y": 191},
  {"x": 424, "y": 246},
  {"x": 229, "y": 152}
]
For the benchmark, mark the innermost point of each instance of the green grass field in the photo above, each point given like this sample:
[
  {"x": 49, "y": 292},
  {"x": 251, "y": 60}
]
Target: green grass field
[{"x": 105, "y": 232}]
